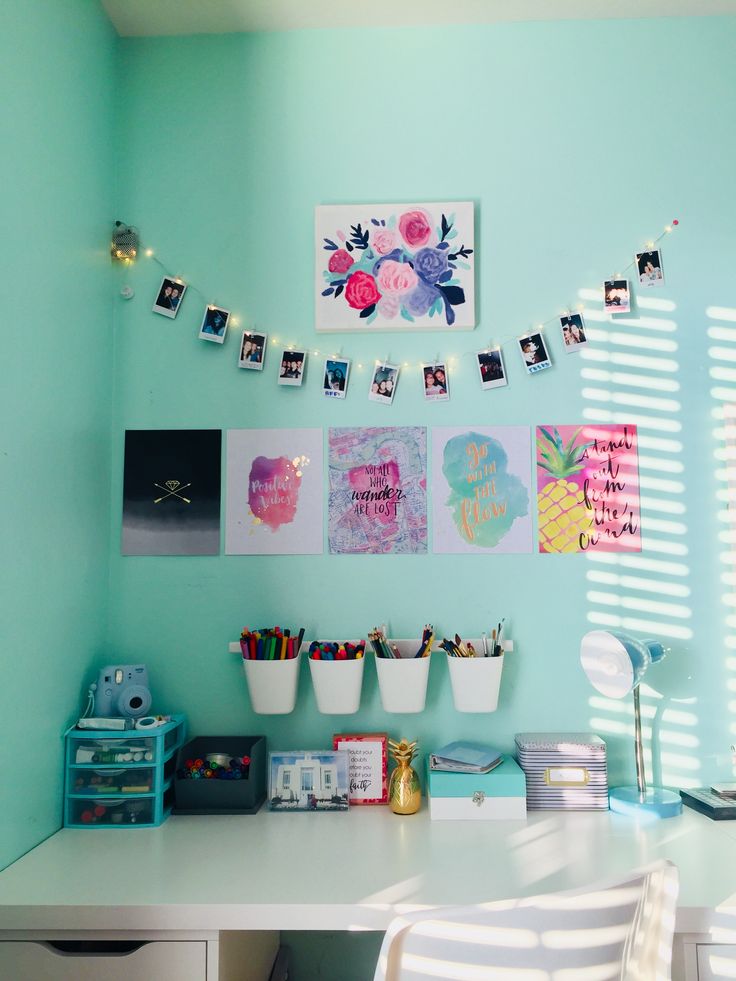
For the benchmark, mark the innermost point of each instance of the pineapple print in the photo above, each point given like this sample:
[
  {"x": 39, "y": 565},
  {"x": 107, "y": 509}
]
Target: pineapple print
[{"x": 563, "y": 517}]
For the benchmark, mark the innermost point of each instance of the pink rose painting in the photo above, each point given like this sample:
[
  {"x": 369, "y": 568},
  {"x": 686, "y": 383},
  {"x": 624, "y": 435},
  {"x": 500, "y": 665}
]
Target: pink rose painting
[{"x": 395, "y": 267}]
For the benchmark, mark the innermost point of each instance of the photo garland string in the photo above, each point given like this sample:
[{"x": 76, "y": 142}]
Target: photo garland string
[{"x": 492, "y": 372}]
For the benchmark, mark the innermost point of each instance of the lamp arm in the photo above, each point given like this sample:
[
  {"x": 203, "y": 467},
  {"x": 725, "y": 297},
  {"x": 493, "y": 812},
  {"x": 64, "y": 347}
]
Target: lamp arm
[{"x": 641, "y": 777}]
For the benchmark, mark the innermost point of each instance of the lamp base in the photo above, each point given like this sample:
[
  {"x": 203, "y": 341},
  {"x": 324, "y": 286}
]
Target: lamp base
[{"x": 655, "y": 801}]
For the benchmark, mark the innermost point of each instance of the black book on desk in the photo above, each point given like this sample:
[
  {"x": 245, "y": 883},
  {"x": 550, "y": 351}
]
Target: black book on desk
[{"x": 708, "y": 802}]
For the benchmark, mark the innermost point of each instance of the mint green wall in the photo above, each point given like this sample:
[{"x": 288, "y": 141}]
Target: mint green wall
[
  {"x": 56, "y": 341},
  {"x": 578, "y": 142}
]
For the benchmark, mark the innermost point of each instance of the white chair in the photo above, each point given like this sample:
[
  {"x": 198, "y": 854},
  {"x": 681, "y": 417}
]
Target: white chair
[{"x": 620, "y": 930}]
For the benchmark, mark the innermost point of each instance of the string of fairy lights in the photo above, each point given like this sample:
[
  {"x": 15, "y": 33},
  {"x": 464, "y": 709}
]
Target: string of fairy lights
[{"x": 235, "y": 320}]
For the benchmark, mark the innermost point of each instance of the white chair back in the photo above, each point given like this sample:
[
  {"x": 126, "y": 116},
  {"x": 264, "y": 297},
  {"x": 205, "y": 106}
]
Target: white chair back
[{"x": 616, "y": 931}]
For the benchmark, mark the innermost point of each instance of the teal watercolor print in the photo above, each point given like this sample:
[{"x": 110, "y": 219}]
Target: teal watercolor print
[
  {"x": 397, "y": 267},
  {"x": 481, "y": 485}
]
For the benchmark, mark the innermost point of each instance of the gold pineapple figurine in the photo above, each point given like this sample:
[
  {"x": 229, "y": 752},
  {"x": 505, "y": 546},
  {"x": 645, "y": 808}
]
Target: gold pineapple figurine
[{"x": 404, "y": 792}]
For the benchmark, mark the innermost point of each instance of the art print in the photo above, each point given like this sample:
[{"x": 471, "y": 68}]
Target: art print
[
  {"x": 214, "y": 325},
  {"x": 274, "y": 492},
  {"x": 397, "y": 267},
  {"x": 588, "y": 489},
  {"x": 378, "y": 490},
  {"x": 171, "y": 492},
  {"x": 481, "y": 489},
  {"x": 308, "y": 780},
  {"x": 168, "y": 299},
  {"x": 367, "y": 766}
]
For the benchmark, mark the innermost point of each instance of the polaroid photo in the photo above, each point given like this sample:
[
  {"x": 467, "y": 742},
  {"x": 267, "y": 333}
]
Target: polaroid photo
[
  {"x": 309, "y": 780},
  {"x": 436, "y": 382},
  {"x": 292, "y": 367},
  {"x": 383, "y": 383},
  {"x": 649, "y": 267},
  {"x": 616, "y": 297},
  {"x": 490, "y": 368},
  {"x": 335, "y": 384},
  {"x": 252, "y": 350},
  {"x": 170, "y": 294},
  {"x": 214, "y": 325},
  {"x": 534, "y": 353},
  {"x": 573, "y": 332}
]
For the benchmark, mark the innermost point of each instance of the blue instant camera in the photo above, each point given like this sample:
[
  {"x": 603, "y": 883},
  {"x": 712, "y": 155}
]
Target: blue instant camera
[{"x": 122, "y": 690}]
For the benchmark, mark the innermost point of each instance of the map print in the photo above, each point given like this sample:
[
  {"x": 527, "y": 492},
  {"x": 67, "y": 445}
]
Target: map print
[{"x": 378, "y": 490}]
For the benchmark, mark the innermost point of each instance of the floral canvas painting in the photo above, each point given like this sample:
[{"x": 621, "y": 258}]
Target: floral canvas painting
[{"x": 398, "y": 267}]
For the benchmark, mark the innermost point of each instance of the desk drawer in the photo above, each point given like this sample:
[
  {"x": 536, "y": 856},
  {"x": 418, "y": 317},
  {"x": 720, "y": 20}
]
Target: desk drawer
[
  {"x": 716, "y": 962},
  {"x": 104, "y": 961}
]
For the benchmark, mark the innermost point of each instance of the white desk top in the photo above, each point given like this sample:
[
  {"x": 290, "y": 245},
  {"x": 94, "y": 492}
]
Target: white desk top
[{"x": 355, "y": 870}]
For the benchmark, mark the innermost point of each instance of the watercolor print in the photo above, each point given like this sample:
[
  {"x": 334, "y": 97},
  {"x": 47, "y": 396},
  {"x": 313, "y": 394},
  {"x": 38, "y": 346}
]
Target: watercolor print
[
  {"x": 397, "y": 267},
  {"x": 274, "y": 492},
  {"x": 378, "y": 490},
  {"x": 481, "y": 488},
  {"x": 588, "y": 489}
]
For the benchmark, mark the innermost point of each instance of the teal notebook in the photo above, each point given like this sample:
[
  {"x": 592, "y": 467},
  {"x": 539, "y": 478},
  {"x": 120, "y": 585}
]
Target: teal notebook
[{"x": 465, "y": 757}]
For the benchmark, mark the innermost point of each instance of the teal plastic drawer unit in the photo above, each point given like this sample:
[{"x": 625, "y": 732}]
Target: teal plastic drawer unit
[{"x": 121, "y": 779}]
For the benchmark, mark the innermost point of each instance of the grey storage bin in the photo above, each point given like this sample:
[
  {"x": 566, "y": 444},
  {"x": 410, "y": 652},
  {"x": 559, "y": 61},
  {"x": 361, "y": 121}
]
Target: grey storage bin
[{"x": 214, "y": 796}]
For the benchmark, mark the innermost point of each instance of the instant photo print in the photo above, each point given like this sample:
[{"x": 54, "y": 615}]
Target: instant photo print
[
  {"x": 491, "y": 368},
  {"x": 170, "y": 294},
  {"x": 573, "y": 332},
  {"x": 616, "y": 296},
  {"x": 383, "y": 383},
  {"x": 291, "y": 370},
  {"x": 252, "y": 350},
  {"x": 214, "y": 325},
  {"x": 435, "y": 382},
  {"x": 534, "y": 353},
  {"x": 649, "y": 267},
  {"x": 335, "y": 384}
]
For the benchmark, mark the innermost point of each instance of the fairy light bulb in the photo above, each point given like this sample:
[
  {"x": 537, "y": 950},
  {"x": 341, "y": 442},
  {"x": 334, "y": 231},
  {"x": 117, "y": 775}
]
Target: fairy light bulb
[{"x": 149, "y": 253}]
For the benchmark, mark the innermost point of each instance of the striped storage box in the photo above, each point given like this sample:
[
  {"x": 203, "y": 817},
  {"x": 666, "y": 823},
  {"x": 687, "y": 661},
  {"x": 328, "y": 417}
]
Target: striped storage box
[{"x": 563, "y": 770}]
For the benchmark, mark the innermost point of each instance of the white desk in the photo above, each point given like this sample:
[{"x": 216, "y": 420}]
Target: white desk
[{"x": 345, "y": 871}]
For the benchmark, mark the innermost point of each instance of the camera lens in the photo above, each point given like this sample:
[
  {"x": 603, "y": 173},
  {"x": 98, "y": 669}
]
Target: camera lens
[{"x": 134, "y": 701}]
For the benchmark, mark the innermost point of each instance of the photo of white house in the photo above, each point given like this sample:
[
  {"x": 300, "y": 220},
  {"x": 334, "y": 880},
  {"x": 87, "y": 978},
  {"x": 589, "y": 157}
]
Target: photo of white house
[{"x": 309, "y": 780}]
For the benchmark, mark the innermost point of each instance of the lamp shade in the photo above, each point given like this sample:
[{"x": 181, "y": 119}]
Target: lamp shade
[{"x": 615, "y": 662}]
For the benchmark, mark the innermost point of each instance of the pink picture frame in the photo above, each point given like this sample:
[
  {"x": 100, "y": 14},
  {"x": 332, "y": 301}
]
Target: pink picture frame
[{"x": 367, "y": 765}]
